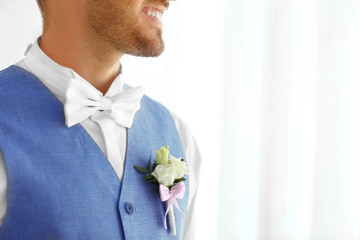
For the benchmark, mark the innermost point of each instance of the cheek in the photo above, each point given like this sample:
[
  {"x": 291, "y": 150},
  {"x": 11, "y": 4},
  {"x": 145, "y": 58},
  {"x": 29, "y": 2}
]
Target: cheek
[{"x": 134, "y": 4}]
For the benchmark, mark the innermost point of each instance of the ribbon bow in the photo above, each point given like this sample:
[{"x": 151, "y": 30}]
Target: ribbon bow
[
  {"x": 170, "y": 195},
  {"x": 82, "y": 102}
]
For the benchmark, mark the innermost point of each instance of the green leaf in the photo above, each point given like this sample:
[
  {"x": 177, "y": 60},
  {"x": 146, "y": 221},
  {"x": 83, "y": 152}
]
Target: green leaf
[
  {"x": 179, "y": 180},
  {"x": 149, "y": 164},
  {"x": 154, "y": 166},
  {"x": 153, "y": 180},
  {"x": 141, "y": 169},
  {"x": 156, "y": 183},
  {"x": 148, "y": 177}
]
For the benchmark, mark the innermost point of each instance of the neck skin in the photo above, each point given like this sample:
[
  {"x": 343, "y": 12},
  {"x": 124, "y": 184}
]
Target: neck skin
[{"x": 69, "y": 42}]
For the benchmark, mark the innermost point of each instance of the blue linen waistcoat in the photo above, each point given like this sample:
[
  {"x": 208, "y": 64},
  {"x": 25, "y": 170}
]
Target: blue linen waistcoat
[{"x": 61, "y": 186}]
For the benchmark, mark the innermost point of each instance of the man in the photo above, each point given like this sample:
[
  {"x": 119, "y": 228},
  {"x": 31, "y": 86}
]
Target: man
[{"x": 71, "y": 132}]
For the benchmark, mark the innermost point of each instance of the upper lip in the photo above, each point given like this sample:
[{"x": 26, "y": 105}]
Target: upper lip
[{"x": 159, "y": 8}]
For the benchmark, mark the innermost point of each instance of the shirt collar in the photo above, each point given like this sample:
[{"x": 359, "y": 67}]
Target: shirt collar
[{"x": 57, "y": 77}]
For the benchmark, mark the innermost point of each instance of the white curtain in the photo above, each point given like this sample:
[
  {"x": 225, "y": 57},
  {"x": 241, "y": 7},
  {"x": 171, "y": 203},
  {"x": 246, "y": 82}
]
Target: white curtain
[{"x": 290, "y": 162}]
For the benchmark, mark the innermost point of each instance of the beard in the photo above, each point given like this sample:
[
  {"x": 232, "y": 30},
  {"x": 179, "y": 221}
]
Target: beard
[
  {"x": 146, "y": 47},
  {"x": 120, "y": 27}
]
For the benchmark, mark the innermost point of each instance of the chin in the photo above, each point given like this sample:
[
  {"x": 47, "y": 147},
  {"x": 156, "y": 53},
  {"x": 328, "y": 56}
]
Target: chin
[{"x": 147, "y": 47}]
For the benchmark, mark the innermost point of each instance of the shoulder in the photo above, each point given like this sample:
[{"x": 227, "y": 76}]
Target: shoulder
[
  {"x": 185, "y": 134},
  {"x": 13, "y": 71},
  {"x": 151, "y": 103},
  {"x": 181, "y": 126},
  {"x": 14, "y": 75},
  {"x": 151, "y": 107}
]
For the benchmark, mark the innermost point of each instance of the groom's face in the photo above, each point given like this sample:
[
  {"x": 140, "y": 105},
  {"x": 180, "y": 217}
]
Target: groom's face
[{"x": 130, "y": 26}]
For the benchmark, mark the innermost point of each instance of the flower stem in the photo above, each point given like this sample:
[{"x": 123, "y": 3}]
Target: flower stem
[{"x": 172, "y": 220}]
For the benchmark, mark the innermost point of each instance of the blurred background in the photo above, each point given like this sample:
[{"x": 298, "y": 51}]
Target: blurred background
[{"x": 271, "y": 91}]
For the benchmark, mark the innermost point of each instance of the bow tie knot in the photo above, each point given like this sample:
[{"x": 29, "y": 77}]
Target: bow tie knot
[
  {"x": 105, "y": 104},
  {"x": 83, "y": 101}
]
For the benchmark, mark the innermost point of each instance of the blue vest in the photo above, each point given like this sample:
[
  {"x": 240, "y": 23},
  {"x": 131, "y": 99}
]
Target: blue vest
[{"x": 61, "y": 186}]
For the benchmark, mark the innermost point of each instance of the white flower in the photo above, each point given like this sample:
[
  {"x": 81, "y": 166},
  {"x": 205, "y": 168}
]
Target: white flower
[
  {"x": 162, "y": 155},
  {"x": 167, "y": 173},
  {"x": 179, "y": 166}
]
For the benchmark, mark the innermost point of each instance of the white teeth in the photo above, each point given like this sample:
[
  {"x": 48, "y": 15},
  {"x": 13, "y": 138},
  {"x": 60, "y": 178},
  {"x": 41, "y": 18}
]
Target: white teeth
[
  {"x": 158, "y": 15},
  {"x": 154, "y": 14}
]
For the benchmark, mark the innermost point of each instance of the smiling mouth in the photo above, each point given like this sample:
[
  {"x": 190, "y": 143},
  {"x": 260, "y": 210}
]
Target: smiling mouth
[{"x": 154, "y": 13}]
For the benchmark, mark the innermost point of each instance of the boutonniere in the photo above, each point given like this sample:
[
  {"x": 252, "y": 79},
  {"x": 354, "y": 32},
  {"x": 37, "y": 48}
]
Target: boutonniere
[{"x": 167, "y": 172}]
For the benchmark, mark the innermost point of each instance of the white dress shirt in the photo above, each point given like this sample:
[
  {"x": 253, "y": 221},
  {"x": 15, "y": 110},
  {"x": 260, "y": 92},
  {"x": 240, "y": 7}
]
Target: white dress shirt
[{"x": 56, "y": 78}]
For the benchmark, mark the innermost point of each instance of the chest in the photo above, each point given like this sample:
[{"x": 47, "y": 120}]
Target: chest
[{"x": 60, "y": 183}]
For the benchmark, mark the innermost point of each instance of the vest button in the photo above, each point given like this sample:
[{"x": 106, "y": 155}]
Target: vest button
[{"x": 129, "y": 208}]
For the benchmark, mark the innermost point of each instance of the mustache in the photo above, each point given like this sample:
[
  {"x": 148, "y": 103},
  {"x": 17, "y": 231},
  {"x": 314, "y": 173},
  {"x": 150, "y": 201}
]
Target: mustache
[{"x": 164, "y": 3}]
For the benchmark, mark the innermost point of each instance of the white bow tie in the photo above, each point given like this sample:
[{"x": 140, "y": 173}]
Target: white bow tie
[{"x": 82, "y": 102}]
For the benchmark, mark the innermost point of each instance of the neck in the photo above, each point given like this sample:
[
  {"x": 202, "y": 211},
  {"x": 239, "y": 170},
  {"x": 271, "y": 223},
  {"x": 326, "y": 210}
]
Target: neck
[{"x": 96, "y": 62}]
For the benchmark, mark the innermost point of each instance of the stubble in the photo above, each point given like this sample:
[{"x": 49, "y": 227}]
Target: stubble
[{"x": 119, "y": 26}]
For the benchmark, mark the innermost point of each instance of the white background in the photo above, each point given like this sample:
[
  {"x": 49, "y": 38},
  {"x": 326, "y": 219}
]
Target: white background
[{"x": 271, "y": 91}]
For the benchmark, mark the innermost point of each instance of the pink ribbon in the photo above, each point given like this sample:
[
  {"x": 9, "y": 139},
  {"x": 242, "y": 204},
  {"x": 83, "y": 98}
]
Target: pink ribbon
[{"x": 170, "y": 195}]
